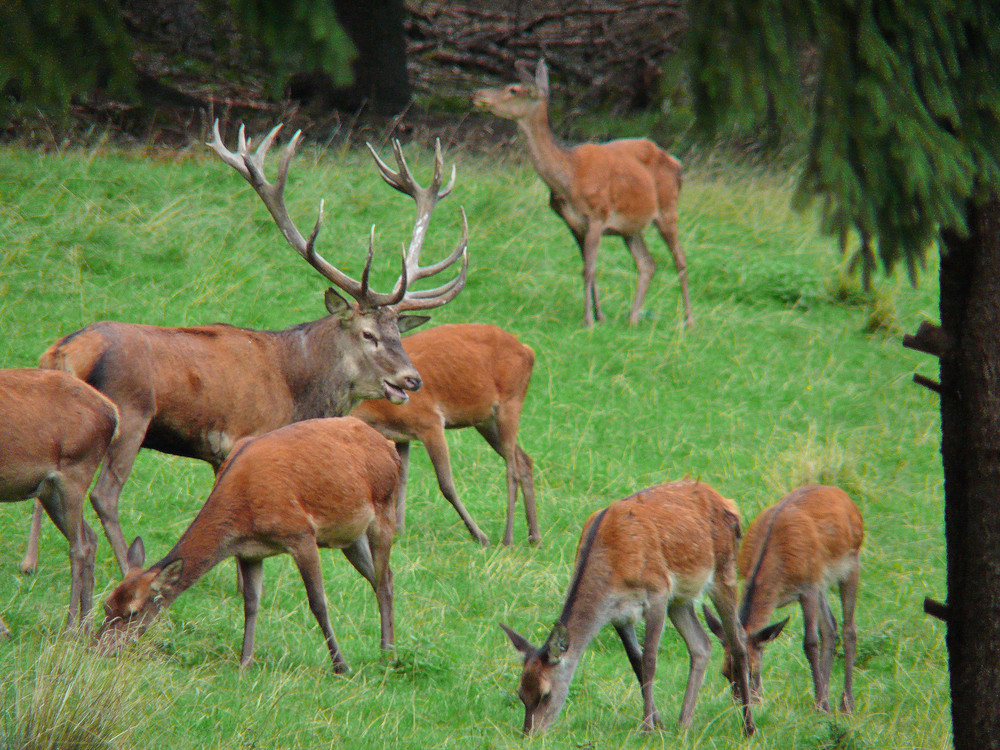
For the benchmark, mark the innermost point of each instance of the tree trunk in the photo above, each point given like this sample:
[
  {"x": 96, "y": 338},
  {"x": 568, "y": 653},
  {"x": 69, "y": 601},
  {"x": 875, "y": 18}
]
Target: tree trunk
[
  {"x": 970, "y": 447},
  {"x": 380, "y": 77}
]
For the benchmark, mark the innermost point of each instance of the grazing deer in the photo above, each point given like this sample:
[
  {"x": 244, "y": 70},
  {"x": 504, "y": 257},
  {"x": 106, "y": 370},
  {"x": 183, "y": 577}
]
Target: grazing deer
[
  {"x": 474, "y": 376},
  {"x": 617, "y": 187},
  {"x": 795, "y": 550},
  {"x": 54, "y": 432},
  {"x": 195, "y": 391},
  {"x": 317, "y": 483},
  {"x": 652, "y": 554}
]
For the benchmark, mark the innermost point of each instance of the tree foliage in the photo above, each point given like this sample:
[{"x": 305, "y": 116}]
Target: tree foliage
[
  {"x": 53, "y": 51},
  {"x": 903, "y": 103}
]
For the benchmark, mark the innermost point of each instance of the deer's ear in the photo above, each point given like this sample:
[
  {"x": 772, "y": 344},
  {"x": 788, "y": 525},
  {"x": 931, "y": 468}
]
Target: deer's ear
[
  {"x": 557, "y": 644},
  {"x": 542, "y": 79},
  {"x": 409, "y": 322},
  {"x": 524, "y": 73},
  {"x": 337, "y": 305},
  {"x": 768, "y": 634},
  {"x": 519, "y": 641},
  {"x": 136, "y": 556},
  {"x": 714, "y": 624},
  {"x": 167, "y": 577}
]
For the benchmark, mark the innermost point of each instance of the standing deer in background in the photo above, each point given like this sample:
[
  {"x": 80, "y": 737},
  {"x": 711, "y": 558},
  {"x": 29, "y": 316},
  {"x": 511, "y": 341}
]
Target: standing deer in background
[
  {"x": 195, "y": 391},
  {"x": 54, "y": 432},
  {"x": 795, "y": 550},
  {"x": 474, "y": 376},
  {"x": 317, "y": 483},
  {"x": 652, "y": 554},
  {"x": 617, "y": 187}
]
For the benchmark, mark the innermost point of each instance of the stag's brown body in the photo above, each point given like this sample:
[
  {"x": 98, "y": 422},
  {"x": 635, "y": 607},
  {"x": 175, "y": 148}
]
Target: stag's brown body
[
  {"x": 473, "y": 376},
  {"x": 54, "y": 433},
  {"x": 196, "y": 391},
  {"x": 650, "y": 555},
  {"x": 793, "y": 551},
  {"x": 317, "y": 483},
  {"x": 618, "y": 188}
]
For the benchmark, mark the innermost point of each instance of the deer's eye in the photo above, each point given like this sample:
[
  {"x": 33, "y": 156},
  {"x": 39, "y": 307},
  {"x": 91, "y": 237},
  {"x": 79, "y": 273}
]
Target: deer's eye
[{"x": 369, "y": 336}]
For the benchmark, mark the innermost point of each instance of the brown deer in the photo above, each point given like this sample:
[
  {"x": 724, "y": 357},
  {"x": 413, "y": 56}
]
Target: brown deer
[
  {"x": 618, "y": 187},
  {"x": 55, "y": 431},
  {"x": 474, "y": 376},
  {"x": 652, "y": 554},
  {"x": 195, "y": 391},
  {"x": 317, "y": 483},
  {"x": 795, "y": 550}
]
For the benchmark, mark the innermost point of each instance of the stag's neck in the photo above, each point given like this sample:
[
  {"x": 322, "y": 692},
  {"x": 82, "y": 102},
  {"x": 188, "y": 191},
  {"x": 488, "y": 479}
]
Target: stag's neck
[
  {"x": 551, "y": 159},
  {"x": 320, "y": 381}
]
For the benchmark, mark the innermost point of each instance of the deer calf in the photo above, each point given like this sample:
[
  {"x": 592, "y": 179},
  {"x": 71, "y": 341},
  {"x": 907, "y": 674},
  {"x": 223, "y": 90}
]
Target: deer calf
[
  {"x": 474, "y": 376},
  {"x": 618, "y": 187},
  {"x": 795, "y": 550},
  {"x": 652, "y": 554},
  {"x": 317, "y": 483},
  {"x": 55, "y": 431}
]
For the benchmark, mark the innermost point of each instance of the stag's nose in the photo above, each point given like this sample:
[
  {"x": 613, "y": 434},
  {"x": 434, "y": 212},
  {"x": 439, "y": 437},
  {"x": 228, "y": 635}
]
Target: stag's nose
[{"x": 412, "y": 382}]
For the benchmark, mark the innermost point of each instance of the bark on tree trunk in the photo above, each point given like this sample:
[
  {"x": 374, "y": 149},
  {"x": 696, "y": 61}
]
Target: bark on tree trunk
[
  {"x": 970, "y": 447},
  {"x": 380, "y": 76}
]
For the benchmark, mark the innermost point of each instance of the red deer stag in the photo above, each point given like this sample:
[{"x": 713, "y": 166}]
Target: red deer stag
[
  {"x": 317, "y": 483},
  {"x": 195, "y": 391},
  {"x": 618, "y": 187},
  {"x": 652, "y": 554},
  {"x": 795, "y": 550},
  {"x": 474, "y": 376},
  {"x": 55, "y": 430}
]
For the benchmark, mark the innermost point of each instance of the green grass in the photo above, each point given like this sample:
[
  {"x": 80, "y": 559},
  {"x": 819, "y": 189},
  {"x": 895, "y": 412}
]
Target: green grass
[{"x": 777, "y": 384}]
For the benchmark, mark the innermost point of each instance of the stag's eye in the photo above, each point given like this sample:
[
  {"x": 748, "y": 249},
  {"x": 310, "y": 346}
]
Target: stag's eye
[{"x": 369, "y": 336}]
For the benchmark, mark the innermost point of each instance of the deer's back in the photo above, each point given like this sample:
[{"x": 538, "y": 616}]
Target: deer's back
[
  {"x": 467, "y": 370},
  {"x": 803, "y": 538},
  {"x": 670, "y": 535},
  {"x": 49, "y": 419},
  {"x": 196, "y": 379},
  {"x": 333, "y": 476}
]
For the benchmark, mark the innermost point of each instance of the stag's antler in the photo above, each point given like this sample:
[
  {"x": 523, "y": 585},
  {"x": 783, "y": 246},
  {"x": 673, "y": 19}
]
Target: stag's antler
[
  {"x": 426, "y": 199},
  {"x": 251, "y": 167}
]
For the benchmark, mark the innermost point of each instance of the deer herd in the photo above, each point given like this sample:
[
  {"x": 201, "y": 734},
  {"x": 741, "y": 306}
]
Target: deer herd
[{"x": 308, "y": 432}]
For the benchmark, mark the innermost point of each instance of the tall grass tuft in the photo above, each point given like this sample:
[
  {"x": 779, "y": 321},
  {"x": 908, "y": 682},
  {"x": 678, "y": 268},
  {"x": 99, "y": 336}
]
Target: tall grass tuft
[{"x": 69, "y": 698}]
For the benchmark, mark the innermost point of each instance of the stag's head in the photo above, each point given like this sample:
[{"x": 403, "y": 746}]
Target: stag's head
[
  {"x": 545, "y": 677},
  {"x": 517, "y": 100},
  {"x": 377, "y": 365},
  {"x": 131, "y": 608}
]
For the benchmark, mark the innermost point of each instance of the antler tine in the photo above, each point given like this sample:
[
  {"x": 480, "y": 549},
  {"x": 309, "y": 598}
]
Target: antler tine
[
  {"x": 430, "y": 298},
  {"x": 251, "y": 167}
]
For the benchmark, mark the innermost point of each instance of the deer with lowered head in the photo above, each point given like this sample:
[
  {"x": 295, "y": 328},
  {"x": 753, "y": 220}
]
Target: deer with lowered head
[
  {"x": 473, "y": 375},
  {"x": 317, "y": 483},
  {"x": 195, "y": 391},
  {"x": 55, "y": 431},
  {"x": 619, "y": 187},
  {"x": 793, "y": 551},
  {"x": 651, "y": 555}
]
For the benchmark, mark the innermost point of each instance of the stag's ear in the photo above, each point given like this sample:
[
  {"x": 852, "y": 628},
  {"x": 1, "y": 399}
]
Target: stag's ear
[
  {"x": 409, "y": 322},
  {"x": 768, "y": 634},
  {"x": 519, "y": 641},
  {"x": 136, "y": 556},
  {"x": 714, "y": 624},
  {"x": 337, "y": 305},
  {"x": 542, "y": 79},
  {"x": 167, "y": 577}
]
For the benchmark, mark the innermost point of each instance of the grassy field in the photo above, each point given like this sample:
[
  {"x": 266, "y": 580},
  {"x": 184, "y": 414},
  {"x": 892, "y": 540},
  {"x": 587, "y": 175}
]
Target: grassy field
[{"x": 790, "y": 375}]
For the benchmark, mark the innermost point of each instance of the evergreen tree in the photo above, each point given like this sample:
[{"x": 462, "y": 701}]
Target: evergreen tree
[{"x": 903, "y": 104}]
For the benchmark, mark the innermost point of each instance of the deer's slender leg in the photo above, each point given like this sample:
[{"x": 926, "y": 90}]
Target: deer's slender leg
[
  {"x": 645, "y": 267},
  {"x": 252, "y": 576}
]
